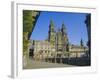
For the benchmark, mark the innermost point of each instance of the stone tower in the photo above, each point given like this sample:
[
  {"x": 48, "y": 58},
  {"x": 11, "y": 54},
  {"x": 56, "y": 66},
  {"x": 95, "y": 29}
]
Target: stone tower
[
  {"x": 81, "y": 43},
  {"x": 52, "y": 33},
  {"x": 59, "y": 40},
  {"x": 65, "y": 41},
  {"x": 62, "y": 39}
]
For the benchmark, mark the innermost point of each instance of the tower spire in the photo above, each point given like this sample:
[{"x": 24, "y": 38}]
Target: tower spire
[
  {"x": 51, "y": 23},
  {"x": 63, "y": 28},
  {"x": 51, "y": 32},
  {"x": 81, "y": 42}
]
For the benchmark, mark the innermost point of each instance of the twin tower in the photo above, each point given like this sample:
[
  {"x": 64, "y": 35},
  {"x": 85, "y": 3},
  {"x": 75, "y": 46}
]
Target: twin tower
[{"x": 58, "y": 39}]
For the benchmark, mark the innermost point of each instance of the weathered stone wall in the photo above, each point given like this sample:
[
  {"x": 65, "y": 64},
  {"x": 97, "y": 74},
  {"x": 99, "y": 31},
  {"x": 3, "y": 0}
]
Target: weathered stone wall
[{"x": 29, "y": 20}]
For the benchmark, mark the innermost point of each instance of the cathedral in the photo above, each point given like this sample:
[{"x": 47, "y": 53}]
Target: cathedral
[
  {"x": 56, "y": 46},
  {"x": 58, "y": 39}
]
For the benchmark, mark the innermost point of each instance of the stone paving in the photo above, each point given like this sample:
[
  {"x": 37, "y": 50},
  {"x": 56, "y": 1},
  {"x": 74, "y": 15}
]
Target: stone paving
[{"x": 40, "y": 64}]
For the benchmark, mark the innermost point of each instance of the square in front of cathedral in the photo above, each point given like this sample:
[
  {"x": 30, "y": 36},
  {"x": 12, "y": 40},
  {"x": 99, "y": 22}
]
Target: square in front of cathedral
[{"x": 54, "y": 39}]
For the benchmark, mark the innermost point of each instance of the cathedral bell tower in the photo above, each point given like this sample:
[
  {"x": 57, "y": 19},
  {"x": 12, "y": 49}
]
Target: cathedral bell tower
[
  {"x": 51, "y": 33},
  {"x": 65, "y": 42}
]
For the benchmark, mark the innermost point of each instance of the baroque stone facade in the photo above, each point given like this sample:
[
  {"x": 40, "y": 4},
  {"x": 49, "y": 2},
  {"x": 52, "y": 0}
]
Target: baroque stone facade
[{"x": 57, "y": 45}]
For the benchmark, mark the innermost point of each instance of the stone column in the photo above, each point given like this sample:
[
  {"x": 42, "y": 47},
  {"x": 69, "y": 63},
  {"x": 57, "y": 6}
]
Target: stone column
[
  {"x": 61, "y": 59},
  {"x": 88, "y": 26},
  {"x": 55, "y": 59}
]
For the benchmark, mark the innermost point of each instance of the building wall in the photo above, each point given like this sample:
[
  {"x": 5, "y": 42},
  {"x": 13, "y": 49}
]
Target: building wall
[
  {"x": 42, "y": 49},
  {"x": 77, "y": 51}
]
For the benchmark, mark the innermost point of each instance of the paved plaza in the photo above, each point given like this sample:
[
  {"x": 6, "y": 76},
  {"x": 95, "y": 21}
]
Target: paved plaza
[{"x": 40, "y": 64}]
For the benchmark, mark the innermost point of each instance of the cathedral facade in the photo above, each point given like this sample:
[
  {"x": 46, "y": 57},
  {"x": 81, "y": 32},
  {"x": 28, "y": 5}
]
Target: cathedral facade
[{"x": 57, "y": 45}]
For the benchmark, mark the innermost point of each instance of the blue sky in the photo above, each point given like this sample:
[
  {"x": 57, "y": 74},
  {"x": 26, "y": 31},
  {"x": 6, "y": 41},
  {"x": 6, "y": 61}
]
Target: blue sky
[{"x": 74, "y": 22}]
